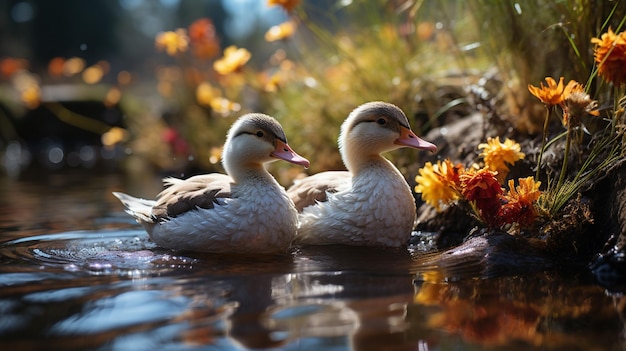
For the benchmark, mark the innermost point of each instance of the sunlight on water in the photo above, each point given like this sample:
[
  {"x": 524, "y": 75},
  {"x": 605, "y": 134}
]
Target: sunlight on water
[{"x": 116, "y": 290}]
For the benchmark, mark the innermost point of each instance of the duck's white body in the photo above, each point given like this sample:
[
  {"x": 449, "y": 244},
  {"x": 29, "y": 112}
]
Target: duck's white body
[
  {"x": 246, "y": 211},
  {"x": 371, "y": 204}
]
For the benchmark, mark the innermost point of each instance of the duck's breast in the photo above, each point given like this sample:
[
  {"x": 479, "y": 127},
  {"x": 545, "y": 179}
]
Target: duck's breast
[{"x": 378, "y": 210}]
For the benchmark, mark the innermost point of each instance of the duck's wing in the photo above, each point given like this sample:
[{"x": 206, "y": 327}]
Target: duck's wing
[
  {"x": 201, "y": 191},
  {"x": 307, "y": 191}
]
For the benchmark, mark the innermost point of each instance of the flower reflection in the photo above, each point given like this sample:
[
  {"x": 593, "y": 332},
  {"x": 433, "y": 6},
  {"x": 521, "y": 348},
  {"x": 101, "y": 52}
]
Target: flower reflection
[{"x": 479, "y": 312}]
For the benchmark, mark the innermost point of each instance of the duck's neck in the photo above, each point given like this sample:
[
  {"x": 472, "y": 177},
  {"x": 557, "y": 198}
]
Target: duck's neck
[
  {"x": 251, "y": 174},
  {"x": 363, "y": 164}
]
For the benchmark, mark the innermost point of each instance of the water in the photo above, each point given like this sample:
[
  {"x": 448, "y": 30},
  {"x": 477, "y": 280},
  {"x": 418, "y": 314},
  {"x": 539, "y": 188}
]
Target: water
[{"x": 76, "y": 273}]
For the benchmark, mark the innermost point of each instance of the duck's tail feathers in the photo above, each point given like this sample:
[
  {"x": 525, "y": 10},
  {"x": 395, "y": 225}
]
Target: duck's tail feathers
[{"x": 141, "y": 209}]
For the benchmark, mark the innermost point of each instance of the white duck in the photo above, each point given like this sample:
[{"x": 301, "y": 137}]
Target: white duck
[
  {"x": 371, "y": 204},
  {"x": 246, "y": 211}
]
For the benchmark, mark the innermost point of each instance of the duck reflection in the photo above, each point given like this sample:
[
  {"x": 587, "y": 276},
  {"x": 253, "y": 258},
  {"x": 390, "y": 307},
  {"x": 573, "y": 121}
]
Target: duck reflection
[{"x": 327, "y": 303}]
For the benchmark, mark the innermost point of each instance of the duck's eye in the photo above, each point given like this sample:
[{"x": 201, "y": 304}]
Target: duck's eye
[
  {"x": 381, "y": 121},
  {"x": 260, "y": 134}
]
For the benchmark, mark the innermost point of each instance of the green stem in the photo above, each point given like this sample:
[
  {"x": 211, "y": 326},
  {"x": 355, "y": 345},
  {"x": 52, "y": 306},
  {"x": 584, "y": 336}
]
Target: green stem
[
  {"x": 568, "y": 141},
  {"x": 543, "y": 139}
]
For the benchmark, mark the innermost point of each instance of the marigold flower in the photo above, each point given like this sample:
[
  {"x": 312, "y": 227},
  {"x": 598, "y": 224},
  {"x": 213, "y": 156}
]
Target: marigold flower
[
  {"x": 498, "y": 156},
  {"x": 288, "y": 5},
  {"x": 520, "y": 201},
  {"x": 439, "y": 183},
  {"x": 553, "y": 93},
  {"x": 482, "y": 188},
  {"x": 281, "y": 31},
  {"x": 527, "y": 191},
  {"x": 610, "y": 56},
  {"x": 479, "y": 185},
  {"x": 234, "y": 59},
  {"x": 172, "y": 42},
  {"x": 203, "y": 39}
]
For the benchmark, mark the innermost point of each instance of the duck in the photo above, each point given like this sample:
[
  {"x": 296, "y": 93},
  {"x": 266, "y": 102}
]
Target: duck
[
  {"x": 371, "y": 203},
  {"x": 243, "y": 211}
]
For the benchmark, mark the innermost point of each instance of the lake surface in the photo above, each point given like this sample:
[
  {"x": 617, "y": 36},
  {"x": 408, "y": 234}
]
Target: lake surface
[{"x": 77, "y": 273}]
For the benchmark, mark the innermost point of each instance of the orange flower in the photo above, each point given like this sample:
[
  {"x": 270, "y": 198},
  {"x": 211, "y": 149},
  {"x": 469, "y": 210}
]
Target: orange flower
[
  {"x": 520, "y": 201},
  {"x": 610, "y": 56},
  {"x": 482, "y": 188},
  {"x": 55, "y": 67},
  {"x": 498, "y": 156},
  {"x": 439, "y": 183},
  {"x": 234, "y": 59},
  {"x": 172, "y": 42},
  {"x": 553, "y": 93},
  {"x": 205, "y": 93},
  {"x": 9, "y": 66},
  {"x": 281, "y": 31},
  {"x": 31, "y": 96},
  {"x": 288, "y": 5},
  {"x": 223, "y": 106},
  {"x": 480, "y": 185},
  {"x": 114, "y": 136},
  {"x": 203, "y": 39}
]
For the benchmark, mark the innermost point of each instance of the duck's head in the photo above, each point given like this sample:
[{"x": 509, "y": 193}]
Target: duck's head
[
  {"x": 374, "y": 128},
  {"x": 254, "y": 140}
]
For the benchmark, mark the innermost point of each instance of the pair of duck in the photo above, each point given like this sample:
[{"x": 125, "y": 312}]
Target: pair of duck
[{"x": 247, "y": 211}]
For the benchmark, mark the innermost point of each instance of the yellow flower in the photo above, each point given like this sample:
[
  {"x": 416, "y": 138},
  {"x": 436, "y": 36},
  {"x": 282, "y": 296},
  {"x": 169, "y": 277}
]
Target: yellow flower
[
  {"x": 114, "y": 136},
  {"x": 288, "y": 5},
  {"x": 438, "y": 183},
  {"x": 610, "y": 56},
  {"x": 172, "y": 42},
  {"x": 553, "y": 93},
  {"x": 281, "y": 31},
  {"x": 31, "y": 96},
  {"x": 234, "y": 59},
  {"x": 520, "y": 202},
  {"x": 527, "y": 191},
  {"x": 205, "y": 93},
  {"x": 224, "y": 106},
  {"x": 498, "y": 156}
]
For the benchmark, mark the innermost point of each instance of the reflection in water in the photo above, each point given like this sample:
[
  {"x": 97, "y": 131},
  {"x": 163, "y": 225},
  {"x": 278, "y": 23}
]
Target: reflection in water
[
  {"x": 108, "y": 287},
  {"x": 545, "y": 309}
]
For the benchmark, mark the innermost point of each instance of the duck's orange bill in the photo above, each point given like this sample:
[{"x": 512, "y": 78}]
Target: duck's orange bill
[
  {"x": 284, "y": 152},
  {"x": 408, "y": 138}
]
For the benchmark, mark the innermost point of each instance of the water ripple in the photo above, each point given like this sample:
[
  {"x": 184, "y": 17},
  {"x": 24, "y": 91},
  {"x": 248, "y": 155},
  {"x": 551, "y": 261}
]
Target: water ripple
[{"x": 122, "y": 253}]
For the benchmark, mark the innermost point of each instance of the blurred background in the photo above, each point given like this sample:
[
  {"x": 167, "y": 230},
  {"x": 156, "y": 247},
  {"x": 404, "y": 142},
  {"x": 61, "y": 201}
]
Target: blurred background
[{"x": 141, "y": 86}]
